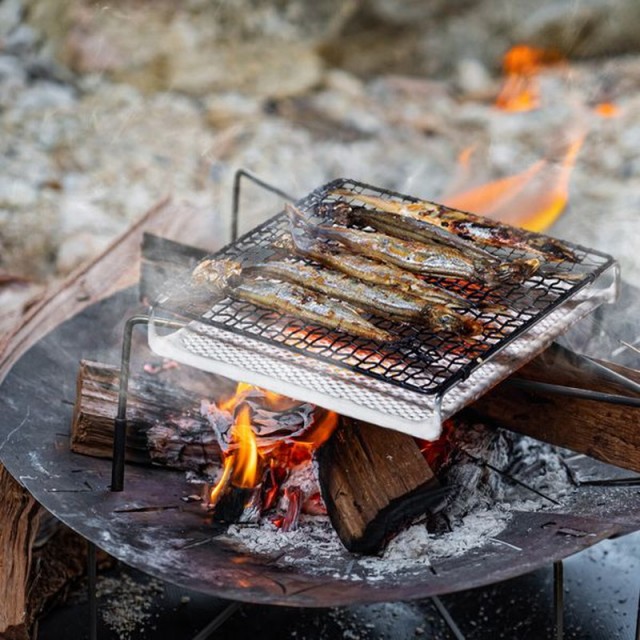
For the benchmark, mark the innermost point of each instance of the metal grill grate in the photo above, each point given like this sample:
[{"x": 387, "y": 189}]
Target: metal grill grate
[{"x": 411, "y": 385}]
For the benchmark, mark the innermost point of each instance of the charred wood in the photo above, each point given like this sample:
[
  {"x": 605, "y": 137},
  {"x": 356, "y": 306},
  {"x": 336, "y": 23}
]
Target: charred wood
[
  {"x": 373, "y": 481},
  {"x": 605, "y": 431},
  {"x": 164, "y": 422}
]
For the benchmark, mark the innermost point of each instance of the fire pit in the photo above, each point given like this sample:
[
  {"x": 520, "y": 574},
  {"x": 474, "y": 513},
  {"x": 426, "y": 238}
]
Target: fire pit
[{"x": 150, "y": 527}]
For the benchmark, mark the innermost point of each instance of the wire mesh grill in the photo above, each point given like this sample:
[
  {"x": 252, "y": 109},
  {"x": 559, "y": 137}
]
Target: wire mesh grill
[{"x": 420, "y": 360}]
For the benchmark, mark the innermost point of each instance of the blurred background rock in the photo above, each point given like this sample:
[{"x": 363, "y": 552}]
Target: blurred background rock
[{"x": 105, "y": 108}]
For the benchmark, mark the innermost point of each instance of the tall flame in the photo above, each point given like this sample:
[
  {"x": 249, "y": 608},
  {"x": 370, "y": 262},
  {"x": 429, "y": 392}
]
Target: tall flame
[
  {"x": 532, "y": 199},
  {"x": 246, "y": 459},
  {"x": 521, "y": 65},
  {"x": 245, "y": 471}
]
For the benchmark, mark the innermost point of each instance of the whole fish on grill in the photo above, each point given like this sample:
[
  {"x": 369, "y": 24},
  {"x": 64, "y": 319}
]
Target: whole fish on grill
[
  {"x": 412, "y": 229},
  {"x": 378, "y": 300},
  {"x": 420, "y": 257},
  {"x": 470, "y": 227},
  {"x": 373, "y": 271},
  {"x": 224, "y": 277}
]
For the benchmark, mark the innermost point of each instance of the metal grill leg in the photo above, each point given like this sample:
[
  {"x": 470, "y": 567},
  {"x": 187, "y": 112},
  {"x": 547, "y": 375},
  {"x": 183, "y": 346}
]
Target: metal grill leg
[
  {"x": 92, "y": 579},
  {"x": 235, "y": 203},
  {"x": 558, "y": 598},
  {"x": 120, "y": 422}
]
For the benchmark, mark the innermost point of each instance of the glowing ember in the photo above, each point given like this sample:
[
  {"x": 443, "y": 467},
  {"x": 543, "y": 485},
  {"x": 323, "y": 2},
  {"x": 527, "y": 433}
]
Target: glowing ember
[
  {"x": 521, "y": 65},
  {"x": 248, "y": 456},
  {"x": 532, "y": 199},
  {"x": 437, "y": 452}
]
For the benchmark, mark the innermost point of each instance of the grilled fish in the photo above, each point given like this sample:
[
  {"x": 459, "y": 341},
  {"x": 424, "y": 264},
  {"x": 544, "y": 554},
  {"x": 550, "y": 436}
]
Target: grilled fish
[
  {"x": 317, "y": 308},
  {"x": 470, "y": 227},
  {"x": 432, "y": 259},
  {"x": 412, "y": 229},
  {"x": 369, "y": 270},
  {"x": 224, "y": 277},
  {"x": 378, "y": 300}
]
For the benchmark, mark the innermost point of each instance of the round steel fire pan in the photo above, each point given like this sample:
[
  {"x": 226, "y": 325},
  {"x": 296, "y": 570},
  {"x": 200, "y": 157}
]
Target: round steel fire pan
[{"x": 150, "y": 527}]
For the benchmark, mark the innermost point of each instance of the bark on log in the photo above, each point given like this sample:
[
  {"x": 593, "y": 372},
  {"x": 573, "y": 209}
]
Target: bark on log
[
  {"x": 604, "y": 431},
  {"x": 19, "y": 517},
  {"x": 164, "y": 422},
  {"x": 373, "y": 481}
]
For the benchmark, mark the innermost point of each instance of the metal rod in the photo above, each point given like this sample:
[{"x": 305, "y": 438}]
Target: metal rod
[
  {"x": 120, "y": 422},
  {"x": 558, "y": 598},
  {"x": 235, "y": 202},
  {"x": 507, "y": 475},
  {"x": 574, "y": 392},
  {"x": 446, "y": 616},
  {"x": 218, "y": 621},
  {"x": 92, "y": 580},
  {"x": 615, "y": 376}
]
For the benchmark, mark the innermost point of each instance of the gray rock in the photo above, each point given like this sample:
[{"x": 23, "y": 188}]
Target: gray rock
[
  {"x": 587, "y": 28},
  {"x": 16, "y": 193},
  {"x": 10, "y": 15}
]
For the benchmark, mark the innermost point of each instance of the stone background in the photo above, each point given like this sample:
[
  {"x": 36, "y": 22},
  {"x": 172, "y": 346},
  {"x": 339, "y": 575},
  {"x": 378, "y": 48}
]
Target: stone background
[{"x": 105, "y": 108}]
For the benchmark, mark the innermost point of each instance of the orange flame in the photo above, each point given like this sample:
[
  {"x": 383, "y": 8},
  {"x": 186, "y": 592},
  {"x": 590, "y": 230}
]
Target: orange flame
[
  {"x": 244, "y": 463},
  {"x": 245, "y": 471},
  {"x": 607, "y": 110},
  {"x": 532, "y": 199},
  {"x": 521, "y": 65}
]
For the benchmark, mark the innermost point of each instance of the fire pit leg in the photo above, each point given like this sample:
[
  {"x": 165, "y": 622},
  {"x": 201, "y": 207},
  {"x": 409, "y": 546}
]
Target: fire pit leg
[
  {"x": 558, "y": 598},
  {"x": 92, "y": 567},
  {"x": 218, "y": 621},
  {"x": 235, "y": 203},
  {"x": 446, "y": 616}
]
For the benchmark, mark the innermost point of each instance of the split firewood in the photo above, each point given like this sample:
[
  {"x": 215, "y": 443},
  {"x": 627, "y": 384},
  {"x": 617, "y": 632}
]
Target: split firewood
[
  {"x": 20, "y": 514},
  {"x": 373, "y": 481},
  {"x": 605, "y": 431},
  {"x": 165, "y": 423}
]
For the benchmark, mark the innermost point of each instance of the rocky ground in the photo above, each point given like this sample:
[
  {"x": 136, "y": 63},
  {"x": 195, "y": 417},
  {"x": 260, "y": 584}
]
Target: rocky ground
[{"x": 103, "y": 112}]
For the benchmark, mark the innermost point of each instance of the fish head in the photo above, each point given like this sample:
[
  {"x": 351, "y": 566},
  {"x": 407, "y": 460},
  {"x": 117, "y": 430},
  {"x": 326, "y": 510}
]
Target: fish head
[
  {"x": 444, "y": 319},
  {"x": 516, "y": 271},
  {"x": 215, "y": 274}
]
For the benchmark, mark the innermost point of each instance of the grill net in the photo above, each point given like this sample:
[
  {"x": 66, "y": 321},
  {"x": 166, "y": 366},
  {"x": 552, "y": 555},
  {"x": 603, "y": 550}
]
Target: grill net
[{"x": 421, "y": 360}]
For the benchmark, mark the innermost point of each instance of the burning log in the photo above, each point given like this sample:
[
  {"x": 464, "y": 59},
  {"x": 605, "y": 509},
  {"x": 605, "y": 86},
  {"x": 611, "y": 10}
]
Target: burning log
[
  {"x": 602, "y": 430},
  {"x": 166, "y": 426},
  {"x": 373, "y": 481}
]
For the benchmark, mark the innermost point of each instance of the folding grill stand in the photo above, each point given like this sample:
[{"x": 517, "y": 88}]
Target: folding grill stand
[{"x": 120, "y": 427}]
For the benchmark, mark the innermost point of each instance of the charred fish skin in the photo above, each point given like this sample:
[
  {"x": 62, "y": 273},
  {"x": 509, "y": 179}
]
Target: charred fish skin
[
  {"x": 377, "y": 300},
  {"x": 411, "y": 229},
  {"x": 308, "y": 305},
  {"x": 417, "y": 257},
  {"x": 469, "y": 226},
  {"x": 372, "y": 271}
]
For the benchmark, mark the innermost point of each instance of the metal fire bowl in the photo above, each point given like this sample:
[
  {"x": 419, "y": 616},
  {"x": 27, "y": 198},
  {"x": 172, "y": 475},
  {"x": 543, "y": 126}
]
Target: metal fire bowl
[{"x": 149, "y": 527}]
